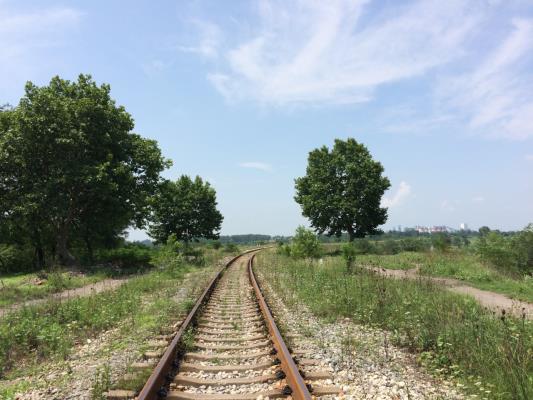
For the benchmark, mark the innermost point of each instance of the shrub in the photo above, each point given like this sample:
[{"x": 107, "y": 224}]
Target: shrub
[
  {"x": 441, "y": 241},
  {"x": 305, "y": 244},
  {"x": 127, "y": 257},
  {"x": 523, "y": 246},
  {"x": 14, "y": 258},
  {"x": 412, "y": 244},
  {"x": 231, "y": 248},
  {"x": 496, "y": 249}
]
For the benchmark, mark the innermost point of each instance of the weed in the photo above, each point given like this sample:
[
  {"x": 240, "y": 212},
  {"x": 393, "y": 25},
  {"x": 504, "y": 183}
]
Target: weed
[
  {"x": 453, "y": 334},
  {"x": 101, "y": 382}
]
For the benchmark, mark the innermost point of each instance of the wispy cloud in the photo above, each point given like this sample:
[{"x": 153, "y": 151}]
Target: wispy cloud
[
  {"x": 321, "y": 52},
  {"x": 256, "y": 165},
  {"x": 529, "y": 157},
  {"x": 208, "y": 42},
  {"x": 478, "y": 199},
  {"x": 19, "y": 32},
  {"x": 496, "y": 96},
  {"x": 403, "y": 192}
]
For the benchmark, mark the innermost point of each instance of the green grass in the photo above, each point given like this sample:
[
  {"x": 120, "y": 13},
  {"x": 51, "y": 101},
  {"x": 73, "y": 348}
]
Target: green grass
[
  {"x": 22, "y": 287},
  {"x": 452, "y": 334},
  {"x": 458, "y": 265},
  {"x": 37, "y": 333}
]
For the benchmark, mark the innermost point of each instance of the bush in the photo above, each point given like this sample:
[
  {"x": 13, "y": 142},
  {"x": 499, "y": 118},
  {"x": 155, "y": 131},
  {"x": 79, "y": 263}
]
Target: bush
[
  {"x": 305, "y": 244},
  {"x": 523, "y": 246},
  {"x": 441, "y": 241},
  {"x": 128, "y": 257},
  {"x": 497, "y": 250},
  {"x": 412, "y": 244},
  {"x": 14, "y": 259},
  {"x": 231, "y": 248}
]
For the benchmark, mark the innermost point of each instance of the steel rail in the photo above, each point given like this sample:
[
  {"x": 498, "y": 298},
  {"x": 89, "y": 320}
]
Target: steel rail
[
  {"x": 294, "y": 379},
  {"x": 155, "y": 386}
]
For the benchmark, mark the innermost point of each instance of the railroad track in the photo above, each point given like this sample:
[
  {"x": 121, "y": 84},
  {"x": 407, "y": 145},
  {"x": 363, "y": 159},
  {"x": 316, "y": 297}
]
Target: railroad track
[{"x": 229, "y": 348}]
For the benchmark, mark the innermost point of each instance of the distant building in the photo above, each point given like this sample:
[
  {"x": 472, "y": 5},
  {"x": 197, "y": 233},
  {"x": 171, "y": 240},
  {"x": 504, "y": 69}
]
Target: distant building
[{"x": 464, "y": 227}]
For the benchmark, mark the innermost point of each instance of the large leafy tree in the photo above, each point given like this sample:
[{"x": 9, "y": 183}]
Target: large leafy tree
[
  {"x": 342, "y": 190},
  {"x": 69, "y": 162},
  {"x": 187, "y": 209}
]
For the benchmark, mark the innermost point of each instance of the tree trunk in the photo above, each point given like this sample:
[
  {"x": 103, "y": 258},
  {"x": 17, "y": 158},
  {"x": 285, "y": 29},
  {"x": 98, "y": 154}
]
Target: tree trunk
[
  {"x": 351, "y": 234},
  {"x": 89, "y": 246},
  {"x": 63, "y": 254},
  {"x": 39, "y": 251}
]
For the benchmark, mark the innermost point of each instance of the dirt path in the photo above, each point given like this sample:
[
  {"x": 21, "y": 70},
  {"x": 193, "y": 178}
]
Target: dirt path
[
  {"x": 88, "y": 290},
  {"x": 491, "y": 300}
]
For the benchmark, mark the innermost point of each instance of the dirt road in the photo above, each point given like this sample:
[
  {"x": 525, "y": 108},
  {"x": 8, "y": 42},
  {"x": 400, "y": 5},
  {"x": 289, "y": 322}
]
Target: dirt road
[
  {"x": 106, "y": 284},
  {"x": 491, "y": 300}
]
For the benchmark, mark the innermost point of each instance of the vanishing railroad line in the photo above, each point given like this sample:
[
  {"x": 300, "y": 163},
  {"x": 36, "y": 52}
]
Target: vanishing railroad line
[{"x": 229, "y": 348}]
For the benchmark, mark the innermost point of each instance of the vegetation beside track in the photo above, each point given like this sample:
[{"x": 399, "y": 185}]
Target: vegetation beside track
[
  {"x": 49, "y": 332},
  {"x": 491, "y": 355},
  {"x": 457, "y": 264}
]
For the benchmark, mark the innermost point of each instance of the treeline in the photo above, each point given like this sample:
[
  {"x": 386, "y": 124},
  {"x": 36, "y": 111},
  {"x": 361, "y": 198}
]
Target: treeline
[{"x": 74, "y": 176}]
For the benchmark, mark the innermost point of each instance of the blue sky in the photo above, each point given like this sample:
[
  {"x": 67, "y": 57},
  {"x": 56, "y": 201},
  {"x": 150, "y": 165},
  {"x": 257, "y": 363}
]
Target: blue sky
[{"x": 239, "y": 92}]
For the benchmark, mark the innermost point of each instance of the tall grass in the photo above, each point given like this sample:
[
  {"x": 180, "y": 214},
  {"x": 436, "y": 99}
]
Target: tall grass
[
  {"x": 452, "y": 333},
  {"x": 50, "y": 330}
]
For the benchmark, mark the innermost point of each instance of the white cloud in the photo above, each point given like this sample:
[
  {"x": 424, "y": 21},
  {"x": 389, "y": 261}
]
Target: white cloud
[
  {"x": 309, "y": 52},
  {"x": 19, "y": 32},
  {"x": 209, "y": 40},
  {"x": 256, "y": 165},
  {"x": 496, "y": 95},
  {"x": 529, "y": 157},
  {"x": 403, "y": 191},
  {"x": 478, "y": 199}
]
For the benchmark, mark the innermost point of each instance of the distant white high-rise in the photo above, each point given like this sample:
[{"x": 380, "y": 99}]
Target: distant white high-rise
[{"x": 464, "y": 226}]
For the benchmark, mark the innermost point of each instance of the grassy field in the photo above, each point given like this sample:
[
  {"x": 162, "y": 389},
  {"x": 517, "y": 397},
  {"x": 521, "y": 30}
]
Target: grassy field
[
  {"x": 49, "y": 332},
  {"x": 453, "y": 336},
  {"x": 22, "y": 287},
  {"x": 458, "y": 265}
]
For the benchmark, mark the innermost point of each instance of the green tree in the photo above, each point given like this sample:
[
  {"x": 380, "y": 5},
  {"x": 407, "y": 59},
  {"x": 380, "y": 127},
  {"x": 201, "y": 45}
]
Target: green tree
[
  {"x": 69, "y": 162},
  {"x": 342, "y": 190},
  {"x": 305, "y": 244},
  {"x": 186, "y": 208}
]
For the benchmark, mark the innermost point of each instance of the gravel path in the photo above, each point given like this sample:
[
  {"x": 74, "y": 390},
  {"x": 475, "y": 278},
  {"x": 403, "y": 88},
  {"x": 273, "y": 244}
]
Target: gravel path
[
  {"x": 491, "y": 300},
  {"x": 88, "y": 290},
  {"x": 362, "y": 359}
]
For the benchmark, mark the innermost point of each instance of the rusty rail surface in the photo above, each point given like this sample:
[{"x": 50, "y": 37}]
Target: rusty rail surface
[
  {"x": 292, "y": 374},
  {"x": 155, "y": 386}
]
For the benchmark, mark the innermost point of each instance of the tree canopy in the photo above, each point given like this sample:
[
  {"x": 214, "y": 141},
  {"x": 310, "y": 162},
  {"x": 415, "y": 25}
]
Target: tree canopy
[
  {"x": 187, "y": 209},
  {"x": 342, "y": 190},
  {"x": 70, "y": 166}
]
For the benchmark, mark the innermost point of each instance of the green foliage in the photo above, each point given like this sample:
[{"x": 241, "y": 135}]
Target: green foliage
[
  {"x": 452, "y": 333},
  {"x": 441, "y": 241},
  {"x": 127, "y": 257},
  {"x": 185, "y": 208},
  {"x": 305, "y": 244},
  {"x": 71, "y": 169},
  {"x": 52, "y": 329},
  {"x": 231, "y": 248},
  {"x": 523, "y": 245},
  {"x": 101, "y": 383},
  {"x": 342, "y": 190},
  {"x": 512, "y": 254}
]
